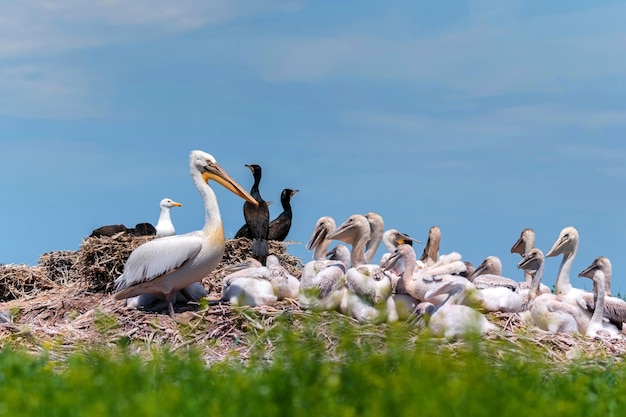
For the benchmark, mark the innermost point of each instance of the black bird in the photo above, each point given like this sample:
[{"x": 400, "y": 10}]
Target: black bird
[
  {"x": 257, "y": 217},
  {"x": 279, "y": 227},
  {"x": 109, "y": 230},
  {"x": 144, "y": 229}
]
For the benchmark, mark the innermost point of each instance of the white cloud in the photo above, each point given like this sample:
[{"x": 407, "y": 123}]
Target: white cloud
[
  {"x": 35, "y": 78},
  {"x": 483, "y": 56},
  {"x": 41, "y": 26}
]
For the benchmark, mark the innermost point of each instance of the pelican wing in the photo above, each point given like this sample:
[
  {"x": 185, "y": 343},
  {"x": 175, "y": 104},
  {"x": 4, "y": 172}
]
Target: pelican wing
[
  {"x": 492, "y": 281},
  {"x": 614, "y": 308},
  {"x": 330, "y": 280},
  {"x": 157, "y": 257},
  {"x": 255, "y": 272}
]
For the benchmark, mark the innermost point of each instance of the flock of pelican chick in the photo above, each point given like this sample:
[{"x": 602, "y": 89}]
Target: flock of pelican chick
[{"x": 448, "y": 294}]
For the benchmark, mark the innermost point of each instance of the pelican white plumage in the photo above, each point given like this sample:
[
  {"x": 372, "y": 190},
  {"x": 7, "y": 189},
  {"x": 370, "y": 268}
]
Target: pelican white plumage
[
  {"x": 547, "y": 311},
  {"x": 368, "y": 296},
  {"x": 322, "y": 286},
  {"x": 247, "y": 285},
  {"x": 168, "y": 264},
  {"x": 493, "y": 292},
  {"x": 451, "y": 319},
  {"x": 252, "y": 283},
  {"x": 489, "y": 274},
  {"x": 164, "y": 226},
  {"x": 597, "y": 327},
  {"x": 323, "y": 282},
  {"x": 193, "y": 292},
  {"x": 285, "y": 284}
]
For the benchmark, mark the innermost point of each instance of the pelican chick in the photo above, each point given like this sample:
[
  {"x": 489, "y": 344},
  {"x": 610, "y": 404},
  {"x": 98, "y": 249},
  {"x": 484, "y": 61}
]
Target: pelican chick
[
  {"x": 377, "y": 227},
  {"x": 452, "y": 320},
  {"x": 247, "y": 285},
  {"x": 368, "y": 296},
  {"x": 392, "y": 238},
  {"x": 322, "y": 286},
  {"x": 323, "y": 283},
  {"x": 613, "y": 308},
  {"x": 491, "y": 291},
  {"x": 597, "y": 326},
  {"x": 285, "y": 285},
  {"x": 406, "y": 303},
  {"x": 524, "y": 243},
  {"x": 448, "y": 264},
  {"x": 547, "y": 311},
  {"x": 489, "y": 274},
  {"x": 567, "y": 245},
  {"x": 168, "y": 264}
]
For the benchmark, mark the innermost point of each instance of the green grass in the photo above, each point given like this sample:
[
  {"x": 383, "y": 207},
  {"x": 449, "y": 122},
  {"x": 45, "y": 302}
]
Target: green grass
[{"x": 315, "y": 369}]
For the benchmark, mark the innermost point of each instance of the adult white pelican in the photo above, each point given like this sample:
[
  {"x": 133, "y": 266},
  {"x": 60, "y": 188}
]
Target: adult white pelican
[
  {"x": 168, "y": 264},
  {"x": 164, "y": 226}
]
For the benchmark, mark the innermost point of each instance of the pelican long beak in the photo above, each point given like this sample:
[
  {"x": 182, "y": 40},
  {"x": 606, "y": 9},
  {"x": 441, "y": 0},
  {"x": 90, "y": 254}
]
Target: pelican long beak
[
  {"x": 391, "y": 261},
  {"x": 589, "y": 271},
  {"x": 403, "y": 239},
  {"x": 557, "y": 248},
  {"x": 518, "y": 247},
  {"x": 342, "y": 233},
  {"x": 217, "y": 173},
  {"x": 318, "y": 235},
  {"x": 524, "y": 263},
  {"x": 478, "y": 270}
]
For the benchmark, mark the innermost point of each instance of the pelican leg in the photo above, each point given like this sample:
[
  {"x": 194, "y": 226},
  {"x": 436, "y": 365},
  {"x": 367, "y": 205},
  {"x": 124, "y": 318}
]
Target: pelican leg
[{"x": 170, "y": 305}]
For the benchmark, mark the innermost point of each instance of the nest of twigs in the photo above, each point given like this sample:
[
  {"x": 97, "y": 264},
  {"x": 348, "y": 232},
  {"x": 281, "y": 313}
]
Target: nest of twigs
[
  {"x": 65, "y": 301},
  {"x": 19, "y": 281}
]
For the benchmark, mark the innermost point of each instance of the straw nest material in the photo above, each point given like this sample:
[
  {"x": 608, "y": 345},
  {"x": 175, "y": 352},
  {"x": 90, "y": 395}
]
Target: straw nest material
[{"x": 65, "y": 303}]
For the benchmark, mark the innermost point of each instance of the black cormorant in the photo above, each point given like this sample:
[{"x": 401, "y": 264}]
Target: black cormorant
[
  {"x": 257, "y": 217},
  {"x": 279, "y": 227}
]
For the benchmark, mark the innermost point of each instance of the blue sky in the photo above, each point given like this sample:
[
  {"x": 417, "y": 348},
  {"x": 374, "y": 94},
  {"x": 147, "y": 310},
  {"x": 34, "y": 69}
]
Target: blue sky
[{"x": 480, "y": 117}]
